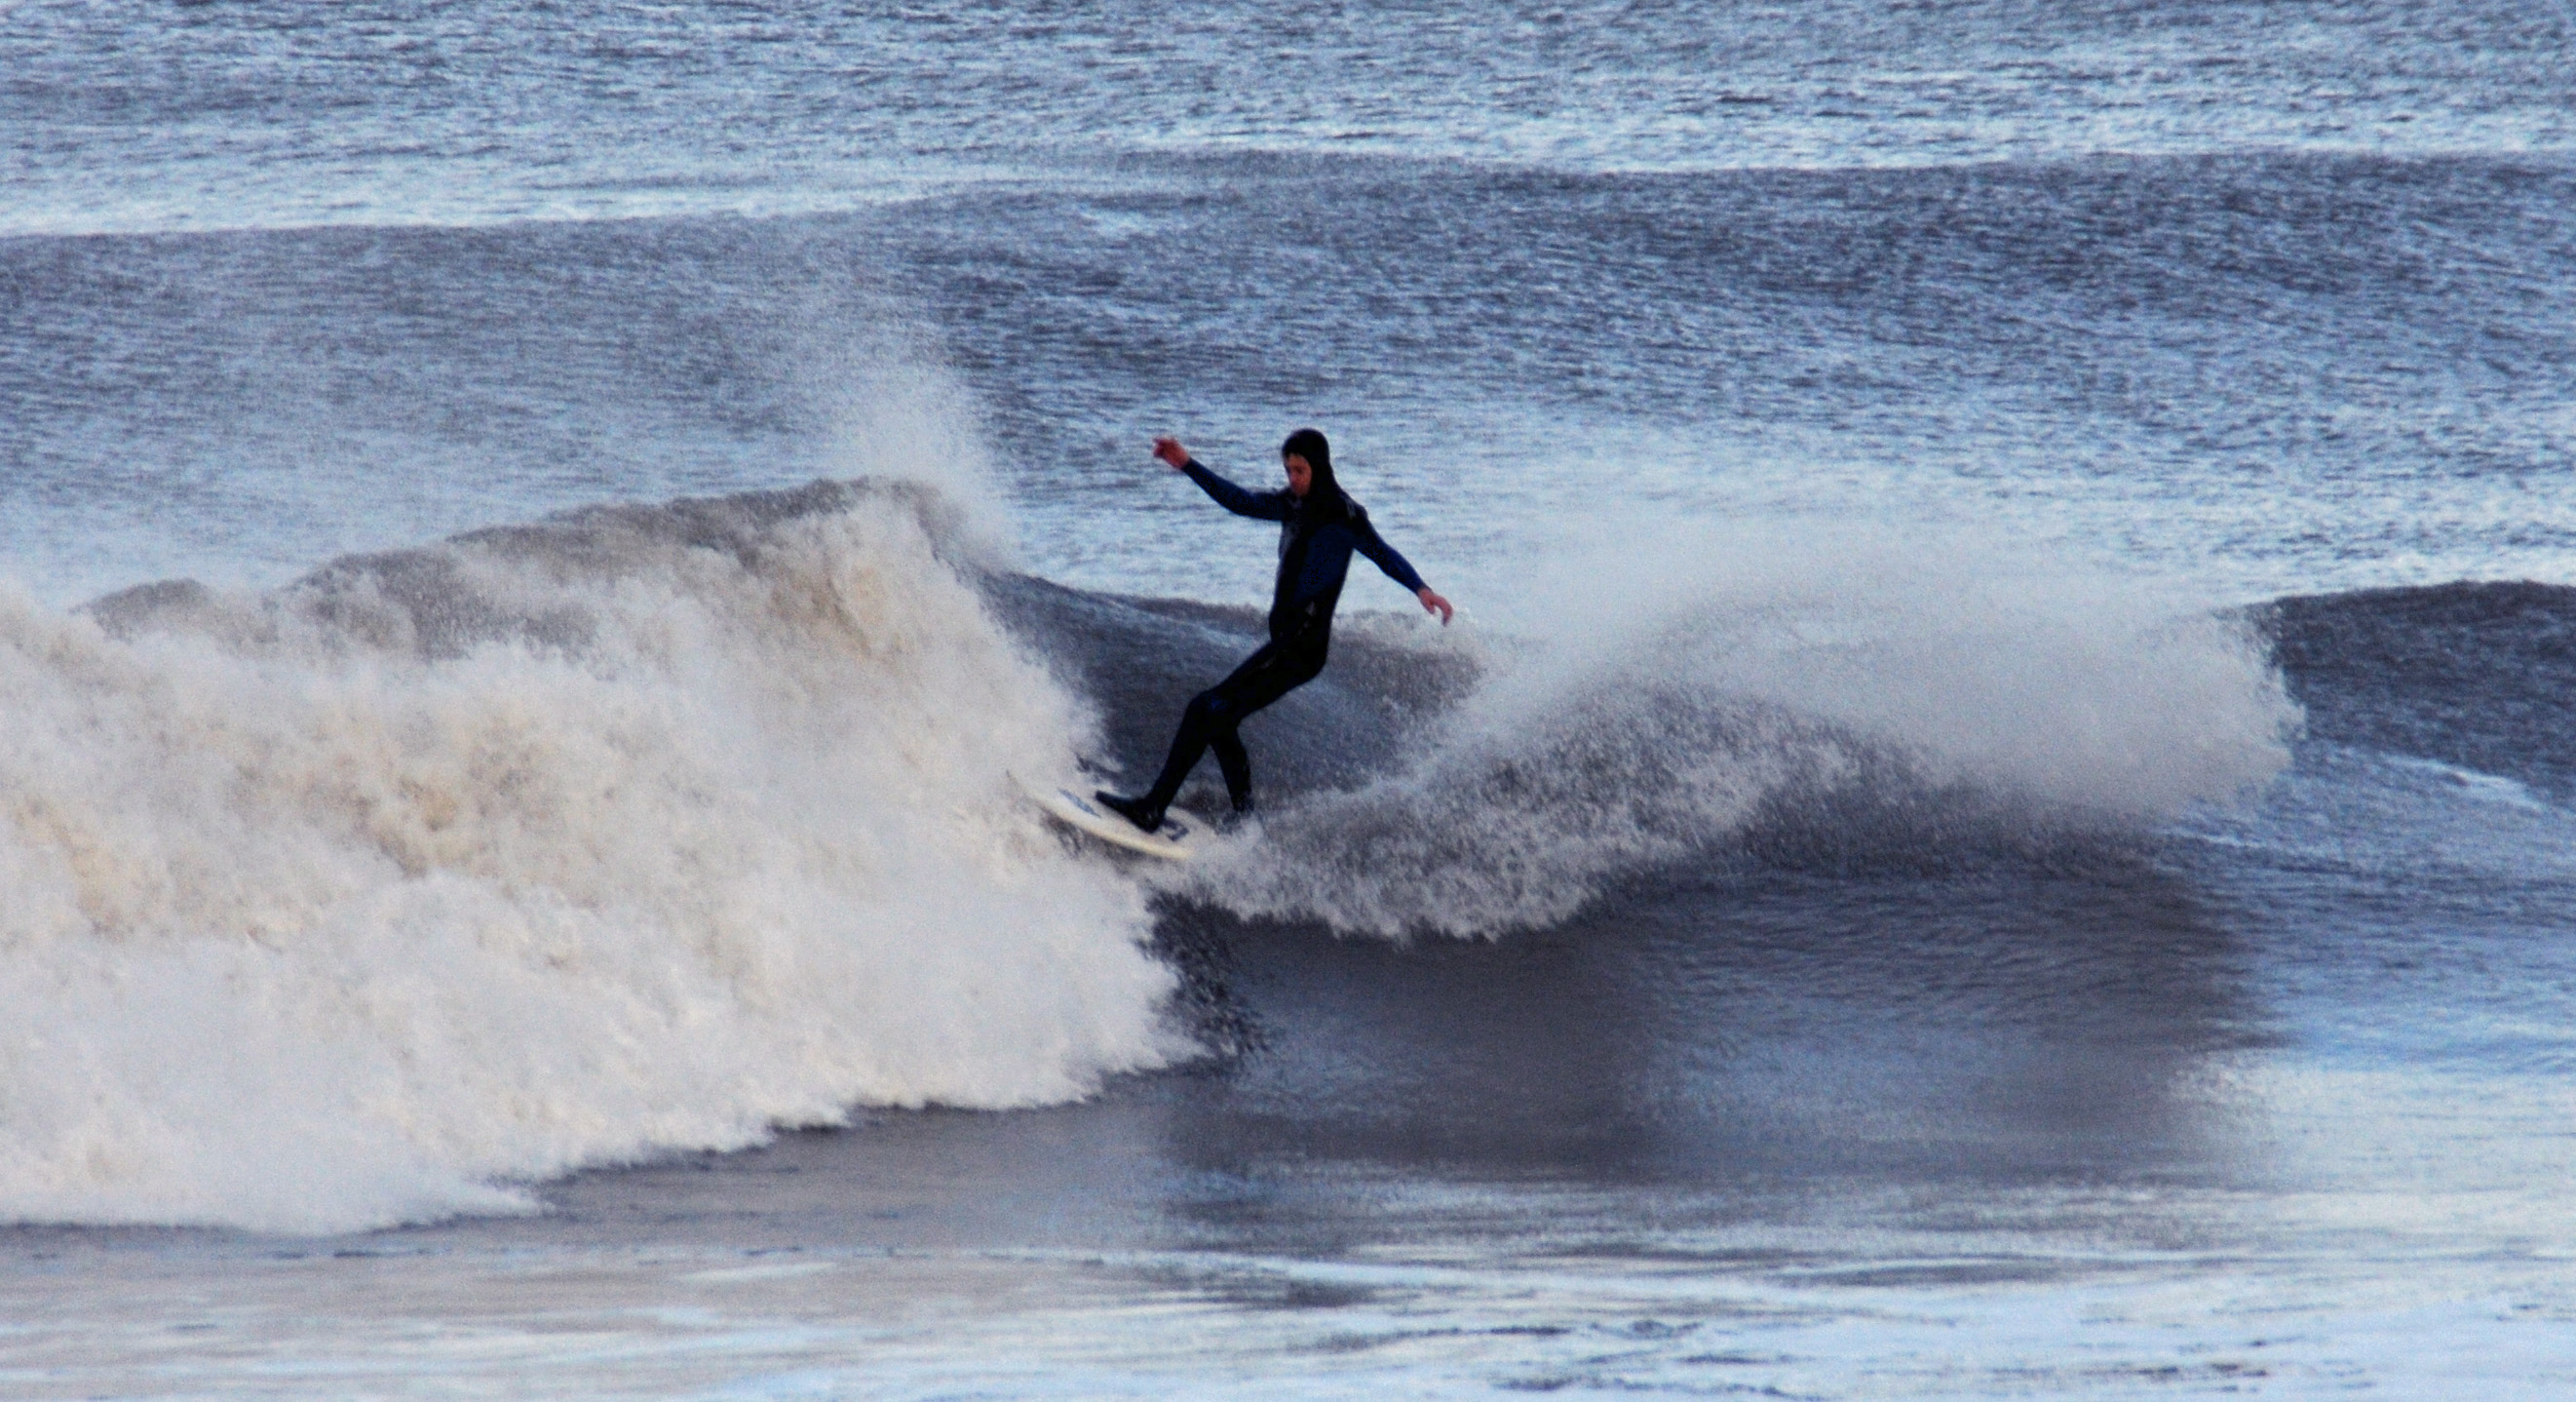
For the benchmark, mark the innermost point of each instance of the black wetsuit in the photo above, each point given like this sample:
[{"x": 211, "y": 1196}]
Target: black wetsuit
[{"x": 1317, "y": 536}]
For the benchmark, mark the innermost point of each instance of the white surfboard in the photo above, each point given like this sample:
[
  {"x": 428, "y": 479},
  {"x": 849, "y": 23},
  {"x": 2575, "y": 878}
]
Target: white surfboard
[{"x": 1171, "y": 841}]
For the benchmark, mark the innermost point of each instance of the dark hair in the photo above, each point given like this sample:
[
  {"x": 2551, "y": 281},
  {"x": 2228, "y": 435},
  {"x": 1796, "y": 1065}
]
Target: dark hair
[
  {"x": 1309, "y": 444},
  {"x": 1324, "y": 499}
]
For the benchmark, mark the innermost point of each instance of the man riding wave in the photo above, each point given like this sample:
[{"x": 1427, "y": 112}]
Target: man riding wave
[{"x": 1320, "y": 528}]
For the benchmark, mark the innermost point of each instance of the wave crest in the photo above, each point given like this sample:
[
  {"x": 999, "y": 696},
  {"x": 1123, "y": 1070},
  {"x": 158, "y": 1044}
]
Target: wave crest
[
  {"x": 634, "y": 830},
  {"x": 1825, "y": 692}
]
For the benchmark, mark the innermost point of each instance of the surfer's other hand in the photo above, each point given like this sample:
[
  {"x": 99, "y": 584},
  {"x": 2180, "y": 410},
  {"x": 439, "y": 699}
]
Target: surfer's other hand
[
  {"x": 1171, "y": 451},
  {"x": 1433, "y": 603}
]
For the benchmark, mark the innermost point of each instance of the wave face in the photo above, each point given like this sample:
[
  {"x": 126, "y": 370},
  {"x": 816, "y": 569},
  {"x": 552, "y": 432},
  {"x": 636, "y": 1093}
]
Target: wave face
[
  {"x": 1816, "y": 700},
  {"x": 2475, "y": 674},
  {"x": 634, "y": 830}
]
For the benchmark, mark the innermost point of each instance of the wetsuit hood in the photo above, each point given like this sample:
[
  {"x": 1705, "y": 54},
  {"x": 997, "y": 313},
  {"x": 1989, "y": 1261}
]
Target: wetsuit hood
[{"x": 1324, "y": 501}]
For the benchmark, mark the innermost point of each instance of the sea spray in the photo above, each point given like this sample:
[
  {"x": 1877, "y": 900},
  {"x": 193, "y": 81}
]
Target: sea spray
[
  {"x": 1700, "y": 690},
  {"x": 446, "y": 870}
]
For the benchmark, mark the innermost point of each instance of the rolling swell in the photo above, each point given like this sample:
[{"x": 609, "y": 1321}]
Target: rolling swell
[{"x": 2472, "y": 674}]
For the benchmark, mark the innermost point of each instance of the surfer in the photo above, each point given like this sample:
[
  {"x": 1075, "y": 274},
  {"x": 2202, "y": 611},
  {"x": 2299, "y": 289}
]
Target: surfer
[{"x": 1319, "y": 528}]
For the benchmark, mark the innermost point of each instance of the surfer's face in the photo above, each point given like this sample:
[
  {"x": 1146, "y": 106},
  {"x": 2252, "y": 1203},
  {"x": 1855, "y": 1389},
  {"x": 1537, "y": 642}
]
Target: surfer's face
[{"x": 1301, "y": 474}]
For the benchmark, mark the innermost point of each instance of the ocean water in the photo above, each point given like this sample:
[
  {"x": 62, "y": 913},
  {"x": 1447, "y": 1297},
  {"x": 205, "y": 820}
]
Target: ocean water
[{"x": 1998, "y": 821}]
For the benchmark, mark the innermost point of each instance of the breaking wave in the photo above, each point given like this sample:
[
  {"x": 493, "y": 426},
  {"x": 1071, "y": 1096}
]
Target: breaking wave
[
  {"x": 444, "y": 871},
  {"x": 447, "y": 870},
  {"x": 1821, "y": 698}
]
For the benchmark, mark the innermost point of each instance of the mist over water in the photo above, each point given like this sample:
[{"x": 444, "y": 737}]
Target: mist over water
[{"x": 1704, "y": 693}]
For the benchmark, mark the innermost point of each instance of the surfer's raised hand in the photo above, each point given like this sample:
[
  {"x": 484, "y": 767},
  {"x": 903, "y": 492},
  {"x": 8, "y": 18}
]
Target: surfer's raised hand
[
  {"x": 1171, "y": 451},
  {"x": 1433, "y": 603}
]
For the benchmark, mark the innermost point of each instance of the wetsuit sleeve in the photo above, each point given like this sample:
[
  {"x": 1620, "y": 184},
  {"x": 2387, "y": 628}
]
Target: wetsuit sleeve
[
  {"x": 1365, "y": 537},
  {"x": 1265, "y": 506}
]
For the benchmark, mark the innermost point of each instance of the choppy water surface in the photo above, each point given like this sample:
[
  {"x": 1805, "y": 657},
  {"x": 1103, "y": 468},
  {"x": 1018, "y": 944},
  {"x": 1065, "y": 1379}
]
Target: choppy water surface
[{"x": 1998, "y": 824}]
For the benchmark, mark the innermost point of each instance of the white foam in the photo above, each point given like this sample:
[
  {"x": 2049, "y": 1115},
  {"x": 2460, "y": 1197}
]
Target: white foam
[
  {"x": 2476, "y": 785},
  {"x": 1688, "y": 681},
  {"x": 2344, "y": 805},
  {"x": 310, "y": 928}
]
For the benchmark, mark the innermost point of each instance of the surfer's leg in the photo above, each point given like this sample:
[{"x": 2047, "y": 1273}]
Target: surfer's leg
[
  {"x": 1237, "y": 767},
  {"x": 1250, "y": 689},
  {"x": 1287, "y": 672},
  {"x": 1188, "y": 743},
  {"x": 1209, "y": 713},
  {"x": 1210, "y": 720}
]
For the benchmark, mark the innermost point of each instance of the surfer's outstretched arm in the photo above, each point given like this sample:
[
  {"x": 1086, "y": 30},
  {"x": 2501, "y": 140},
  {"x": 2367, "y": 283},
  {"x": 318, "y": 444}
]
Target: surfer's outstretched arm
[
  {"x": 1261, "y": 506},
  {"x": 1366, "y": 540}
]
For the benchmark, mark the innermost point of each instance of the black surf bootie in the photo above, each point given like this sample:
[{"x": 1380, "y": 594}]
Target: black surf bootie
[{"x": 1133, "y": 810}]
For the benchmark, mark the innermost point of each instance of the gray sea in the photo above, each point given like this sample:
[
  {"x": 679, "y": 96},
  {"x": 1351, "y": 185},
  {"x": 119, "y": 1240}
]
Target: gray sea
[{"x": 1998, "y": 821}]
